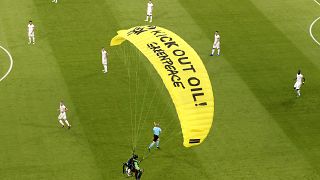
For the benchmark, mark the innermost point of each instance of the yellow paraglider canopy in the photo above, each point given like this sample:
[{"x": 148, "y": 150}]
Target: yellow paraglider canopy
[{"x": 183, "y": 74}]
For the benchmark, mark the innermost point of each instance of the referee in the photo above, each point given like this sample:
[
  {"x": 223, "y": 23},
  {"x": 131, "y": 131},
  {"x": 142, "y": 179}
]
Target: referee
[{"x": 156, "y": 134}]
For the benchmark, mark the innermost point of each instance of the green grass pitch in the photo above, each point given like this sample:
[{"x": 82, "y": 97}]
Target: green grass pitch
[{"x": 261, "y": 130}]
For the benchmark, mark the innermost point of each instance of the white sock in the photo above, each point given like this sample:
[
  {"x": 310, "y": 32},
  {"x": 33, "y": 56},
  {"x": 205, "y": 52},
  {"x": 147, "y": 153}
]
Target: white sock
[
  {"x": 150, "y": 18},
  {"x": 105, "y": 68},
  {"x": 67, "y": 122},
  {"x": 61, "y": 122},
  {"x": 212, "y": 51},
  {"x": 298, "y": 92},
  {"x": 33, "y": 39},
  {"x": 151, "y": 145},
  {"x": 29, "y": 39},
  {"x": 147, "y": 18},
  {"x": 157, "y": 143},
  {"x": 218, "y": 51}
]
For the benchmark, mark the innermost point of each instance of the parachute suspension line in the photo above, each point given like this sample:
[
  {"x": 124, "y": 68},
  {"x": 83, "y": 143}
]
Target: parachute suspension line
[
  {"x": 133, "y": 97},
  {"x": 120, "y": 53},
  {"x": 139, "y": 120},
  {"x": 150, "y": 105},
  {"x": 166, "y": 110},
  {"x": 170, "y": 137},
  {"x": 149, "y": 108},
  {"x": 133, "y": 89},
  {"x": 172, "y": 134},
  {"x": 135, "y": 100},
  {"x": 135, "y": 93},
  {"x": 130, "y": 93},
  {"x": 142, "y": 106},
  {"x": 133, "y": 71},
  {"x": 141, "y": 125},
  {"x": 157, "y": 103}
]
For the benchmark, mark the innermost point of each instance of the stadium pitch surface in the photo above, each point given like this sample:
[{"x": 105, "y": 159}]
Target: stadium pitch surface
[{"x": 261, "y": 130}]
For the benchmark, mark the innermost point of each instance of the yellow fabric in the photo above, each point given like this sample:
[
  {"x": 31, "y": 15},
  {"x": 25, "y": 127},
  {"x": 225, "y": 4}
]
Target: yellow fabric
[{"x": 183, "y": 74}]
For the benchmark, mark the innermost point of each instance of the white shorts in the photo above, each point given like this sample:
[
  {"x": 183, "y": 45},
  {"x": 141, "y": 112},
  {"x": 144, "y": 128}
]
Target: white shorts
[
  {"x": 104, "y": 61},
  {"x": 216, "y": 46},
  {"x": 149, "y": 12},
  {"x": 31, "y": 34},
  {"x": 62, "y": 116},
  {"x": 297, "y": 85}
]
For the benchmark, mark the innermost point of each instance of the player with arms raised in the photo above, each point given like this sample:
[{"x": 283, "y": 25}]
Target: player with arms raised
[
  {"x": 63, "y": 115},
  {"x": 299, "y": 82},
  {"x": 31, "y": 29},
  {"x": 149, "y": 11},
  {"x": 216, "y": 43}
]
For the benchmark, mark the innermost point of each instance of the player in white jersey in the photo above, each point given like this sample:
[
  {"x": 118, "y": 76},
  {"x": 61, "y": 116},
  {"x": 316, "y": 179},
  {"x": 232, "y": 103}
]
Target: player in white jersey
[
  {"x": 299, "y": 82},
  {"x": 104, "y": 60},
  {"x": 55, "y": 1},
  {"x": 31, "y": 29},
  {"x": 216, "y": 43},
  {"x": 149, "y": 11},
  {"x": 63, "y": 115}
]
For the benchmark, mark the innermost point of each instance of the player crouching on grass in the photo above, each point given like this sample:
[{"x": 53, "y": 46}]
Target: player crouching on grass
[
  {"x": 156, "y": 134},
  {"x": 63, "y": 115}
]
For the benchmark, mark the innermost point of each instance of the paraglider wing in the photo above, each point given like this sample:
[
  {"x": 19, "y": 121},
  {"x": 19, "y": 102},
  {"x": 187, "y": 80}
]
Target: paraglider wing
[{"x": 183, "y": 74}]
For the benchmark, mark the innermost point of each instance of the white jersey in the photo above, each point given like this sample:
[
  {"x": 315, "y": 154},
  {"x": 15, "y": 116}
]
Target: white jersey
[
  {"x": 62, "y": 109},
  {"x": 216, "y": 43},
  {"x": 104, "y": 56},
  {"x": 31, "y": 29},
  {"x": 63, "y": 114},
  {"x": 299, "y": 82},
  {"x": 150, "y": 8},
  {"x": 216, "y": 39},
  {"x": 299, "y": 78}
]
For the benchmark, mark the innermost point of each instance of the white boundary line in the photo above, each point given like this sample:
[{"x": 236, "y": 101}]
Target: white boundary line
[
  {"x": 310, "y": 31},
  {"x": 311, "y": 26},
  {"x": 11, "y": 63}
]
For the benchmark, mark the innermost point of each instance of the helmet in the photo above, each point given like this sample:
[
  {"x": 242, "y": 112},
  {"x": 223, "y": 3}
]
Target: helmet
[{"x": 135, "y": 156}]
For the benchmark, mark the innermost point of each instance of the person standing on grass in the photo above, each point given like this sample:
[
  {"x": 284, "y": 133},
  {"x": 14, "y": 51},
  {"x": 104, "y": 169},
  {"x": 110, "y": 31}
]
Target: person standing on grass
[
  {"x": 299, "y": 82},
  {"x": 31, "y": 29},
  {"x": 149, "y": 11},
  {"x": 156, "y": 134},
  {"x": 216, "y": 44},
  {"x": 63, "y": 115},
  {"x": 104, "y": 60}
]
